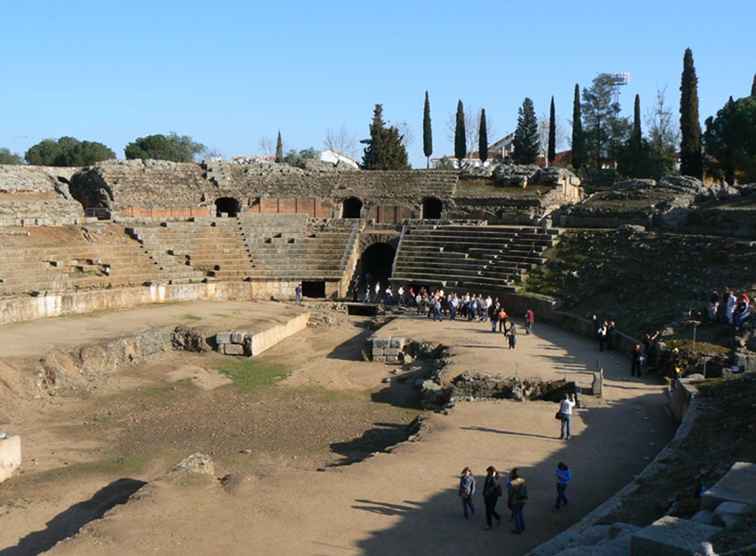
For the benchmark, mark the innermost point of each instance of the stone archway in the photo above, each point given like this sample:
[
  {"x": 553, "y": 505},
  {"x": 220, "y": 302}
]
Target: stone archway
[
  {"x": 228, "y": 206},
  {"x": 351, "y": 207}
]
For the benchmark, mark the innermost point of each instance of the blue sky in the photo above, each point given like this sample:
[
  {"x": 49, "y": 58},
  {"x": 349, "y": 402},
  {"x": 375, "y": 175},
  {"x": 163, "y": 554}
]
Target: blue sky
[{"x": 229, "y": 73}]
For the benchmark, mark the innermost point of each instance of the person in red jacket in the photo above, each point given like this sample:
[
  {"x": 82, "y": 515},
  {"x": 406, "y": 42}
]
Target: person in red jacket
[{"x": 529, "y": 321}]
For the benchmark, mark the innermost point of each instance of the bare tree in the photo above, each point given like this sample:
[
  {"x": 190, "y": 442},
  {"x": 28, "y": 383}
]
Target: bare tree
[
  {"x": 407, "y": 133},
  {"x": 543, "y": 133},
  {"x": 341, "y": 141},
  {"x": 663, "y": 132},
  {"x": 472, "y": 128},
  {"x": 267, "y": 145}
]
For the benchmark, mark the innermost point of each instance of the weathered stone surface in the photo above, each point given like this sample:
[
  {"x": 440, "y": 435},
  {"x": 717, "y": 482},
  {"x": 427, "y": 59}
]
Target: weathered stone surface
[
  {"x": 189, "y": 339},
  {"x": 671, "y": 536},
  {"x": 196, "y": 463},
  {"x": 238, "y": 336},
  {"x": 233, "y": 349},
  {"x": 731, "y": 514},
  {"x": 10, "y": 456},
  {"x": 738, "y": 485},
  {"x": 704, "y": 516}
]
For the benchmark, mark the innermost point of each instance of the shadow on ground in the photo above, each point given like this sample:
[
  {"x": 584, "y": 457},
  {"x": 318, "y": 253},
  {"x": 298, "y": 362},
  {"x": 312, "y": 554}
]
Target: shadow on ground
[{"x": 68, "y": 522}]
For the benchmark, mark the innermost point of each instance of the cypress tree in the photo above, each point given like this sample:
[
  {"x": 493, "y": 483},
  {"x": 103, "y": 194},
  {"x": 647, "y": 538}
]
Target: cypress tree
[
  {"x": 691, "y": 159},
  {"x": 460, "y": 137},
  {"x": 526, "y": 142},
  {"x": 483, "y": 137},
  {"x": 578, "y": 142},
  {"x": 279, "y": 148},
  {"x": 427, "y": 131},
  {"x": 637, "y": 135},
  {"x": 551, "y": 153},
  {"x": 753, "y": 86}
]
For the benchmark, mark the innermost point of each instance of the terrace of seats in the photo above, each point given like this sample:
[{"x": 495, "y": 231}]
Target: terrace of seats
[
  {"x": 61, "y": 258},
  {"x": 469, "y": 257}
]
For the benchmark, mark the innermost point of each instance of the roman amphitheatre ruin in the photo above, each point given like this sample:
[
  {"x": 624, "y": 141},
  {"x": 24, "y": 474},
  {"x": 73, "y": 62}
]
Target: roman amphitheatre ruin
[{"x": 162, "y": 391}]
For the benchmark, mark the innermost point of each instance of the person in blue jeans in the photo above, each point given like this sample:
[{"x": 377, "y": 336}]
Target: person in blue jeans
[
  {"x": 563, "y": 477},
  {"x": 565, "y": 415},
  {"x": 518, "y": 497},
  {"x": 467, "y": 491}
]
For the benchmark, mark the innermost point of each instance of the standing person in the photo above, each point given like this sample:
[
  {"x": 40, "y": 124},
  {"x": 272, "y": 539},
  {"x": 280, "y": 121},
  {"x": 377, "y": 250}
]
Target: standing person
[
  {"x": 529, "y": 321},
  {"x": 503, "y": 317},
  {"x": 491, "y": 493},
  {"x": 400, "y": 293},
  {"x": 611, "y": 330},
  {"x": 519, "y": 498},
  {"x": 298, "y": 293},
  {"x": 467, "y": 491},
  {"x": 377, "y": 292},
  {"x": 602, "y": 333},
  {"x": 512, "y": 335},
  {"x": 565, "y": 415},
  {"x": 563, "y": 477},
  {"x": 636, "y": 356},
  {"x": 493, "y": 314}
]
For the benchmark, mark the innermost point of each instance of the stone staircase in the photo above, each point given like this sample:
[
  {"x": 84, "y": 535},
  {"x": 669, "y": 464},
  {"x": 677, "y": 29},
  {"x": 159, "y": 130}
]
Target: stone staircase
[{"x": 469, "y": 258}]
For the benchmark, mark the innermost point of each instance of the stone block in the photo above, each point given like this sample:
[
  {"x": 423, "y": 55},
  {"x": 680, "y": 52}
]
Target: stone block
[
  {"x": 223, "y": 338},
  {"x": 237, "y": 337},
  {"x": 731, "y": 514},
  {"x": 10, "y": 456},
  {"x": 738, "y": 485},
  {"x": 671, "y": 536},
  {"x": 233, "y": 349},
  {"x": 380, "y": 343},
  {"x": 396, "y": 343}
]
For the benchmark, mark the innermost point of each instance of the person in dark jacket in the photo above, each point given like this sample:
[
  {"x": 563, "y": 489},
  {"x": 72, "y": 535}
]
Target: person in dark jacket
[
  {"x": 467, "y": 491},
  {"x": 491, "y": 494},
  {"x": 519, "y": 494},
  {"x": 635, "y": 368},
  {"x": 563, "y": 477}
]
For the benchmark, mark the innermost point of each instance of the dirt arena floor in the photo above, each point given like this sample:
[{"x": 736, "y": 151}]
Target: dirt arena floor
[{"x": 302, "y": 459}]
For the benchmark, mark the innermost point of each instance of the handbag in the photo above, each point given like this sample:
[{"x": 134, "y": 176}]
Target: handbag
[{"x": 558, "y": 416}]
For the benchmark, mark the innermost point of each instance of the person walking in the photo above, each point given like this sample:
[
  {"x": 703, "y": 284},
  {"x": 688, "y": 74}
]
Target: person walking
[
  {"x": 493, "y": 315},
  {"x": 491, "y": 494},
  {"x": 512, "y": 335},
  {"x": 563, "y": 477},
  {"x": 503, "y": 316},
  {"x": 565, "y": 415},
  {"x": 519, "y": 494},
  {"x": 637, "y": 356},
  {"x": 603, "y": 335},
  {"x": 529, "y": 321},
  {"x": 467, "y": 491},
  {"x": 298, "y": 293}
]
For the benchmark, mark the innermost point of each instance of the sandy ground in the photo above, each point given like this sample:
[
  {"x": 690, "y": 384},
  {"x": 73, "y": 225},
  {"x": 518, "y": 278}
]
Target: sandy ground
[{"x": 403, "y": 502}]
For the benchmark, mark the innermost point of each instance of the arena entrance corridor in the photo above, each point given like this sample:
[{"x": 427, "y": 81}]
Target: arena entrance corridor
[{"x": 377, "y": 262}]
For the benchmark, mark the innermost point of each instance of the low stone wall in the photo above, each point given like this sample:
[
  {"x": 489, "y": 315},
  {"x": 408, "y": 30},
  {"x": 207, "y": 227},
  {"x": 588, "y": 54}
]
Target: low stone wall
[{"x": 25, "y": 308}]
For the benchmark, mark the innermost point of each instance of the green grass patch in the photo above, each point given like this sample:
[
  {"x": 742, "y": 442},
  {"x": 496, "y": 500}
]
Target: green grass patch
[
  {"x": 250, "y": 374},
  {"x": 189, "y": 316}
]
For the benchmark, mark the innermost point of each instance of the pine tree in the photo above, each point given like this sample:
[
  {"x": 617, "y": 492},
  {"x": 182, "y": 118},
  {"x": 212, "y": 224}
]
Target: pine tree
[
  {"x": 526, "y": 141},
  {"x": 385, "y": 149},
  {"x": 578, "y": 145},
  {"x": 483, "y": 137},
  {"x": 753, "y": 86},
  {"x": 460, "y": 136},
  {"x": 691, "y": 159},
  {"x": 279, "y": 148},
  {"x": 551, "y": 153},
  {"x": 427, "y": 131}
]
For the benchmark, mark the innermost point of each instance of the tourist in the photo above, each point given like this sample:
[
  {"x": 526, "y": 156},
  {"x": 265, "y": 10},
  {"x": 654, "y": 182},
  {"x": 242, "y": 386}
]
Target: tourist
[
  {"x": 563, "y": 476},
  {"x": 611, "y": 335},
  {"x": 503, "y": 318},
  {"x": 730, "y": 302},
  {"x": 419, "y": 303},
  {"x": 519, "y": 495},
  {"x": 298, "y": 293},
  {"x": 389, "y": 296},
  {"x": 400, "y": 293},
  {"x": 603, "y": 333},
  {"x": 467, "y": 491},
  {"x": 529, "y": 321},
  {"x": 637, "y": 357},
  {"x": 493, "y": 314},
  {"x": 742, "y": 312},
  {"x": 712, "y": 309},
  {"x": 491, "y": 494},
  {"x": 565, "y": 416},
  {"x": 512, "y": 335}
]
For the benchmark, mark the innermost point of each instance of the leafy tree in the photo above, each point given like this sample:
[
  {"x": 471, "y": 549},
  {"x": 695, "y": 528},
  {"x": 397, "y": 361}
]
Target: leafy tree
[
  {"x": 578, "y": 141},
  {"x": 605, "y": 131},
  {"x": 663, "y": 137},
  {"x": 7, "y": 157},
  {"x": 526, "y": 142},
  {"x": 173, "y": 147},
  {"x": 67, "y": 151},
  {"x": 551, "y": 153},
  {"x": 691, "y": 159},
  {"x": 483, "y": 137},
  {"x": 427, "y": 131},
  {"x": 460, "y": 137},
  {"x": 300, "y": 158},
  {"x": 385, "y": 149},
  {"x": 730, "y": 138},
  {"x": 279, "y": 148}
]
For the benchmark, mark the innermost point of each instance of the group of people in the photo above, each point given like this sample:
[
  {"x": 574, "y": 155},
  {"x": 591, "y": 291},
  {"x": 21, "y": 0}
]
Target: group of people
[
  {"x": 729, "y": 308},
  {"x": 496, "y": 485}
]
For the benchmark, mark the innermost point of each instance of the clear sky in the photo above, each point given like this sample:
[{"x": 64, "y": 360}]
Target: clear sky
[{"x": 230, "y": 72}]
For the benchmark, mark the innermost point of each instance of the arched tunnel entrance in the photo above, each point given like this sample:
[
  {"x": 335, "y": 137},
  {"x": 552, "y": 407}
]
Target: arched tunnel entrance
[
  {"x": 227, "y": 205},
  {"x": 375, "y": 268},
  {"x": 432, "y": 208},
  {"x": 351, "y": 208}
]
